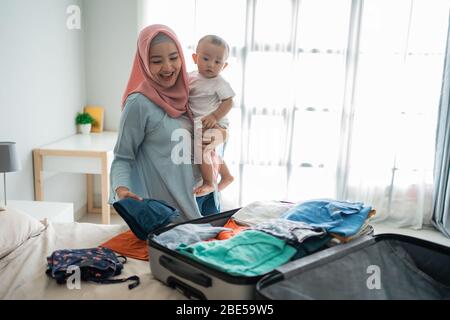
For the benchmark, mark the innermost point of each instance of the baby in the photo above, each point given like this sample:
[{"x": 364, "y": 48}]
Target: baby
[{"x": 210, "y": 99}]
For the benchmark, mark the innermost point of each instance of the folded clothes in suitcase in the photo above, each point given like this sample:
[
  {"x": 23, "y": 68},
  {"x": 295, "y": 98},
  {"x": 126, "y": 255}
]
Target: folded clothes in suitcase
[
  {"x": 385, "y": 266},
  {"x": 194, "y": 279},
  {"x": 199, "y": 280}
]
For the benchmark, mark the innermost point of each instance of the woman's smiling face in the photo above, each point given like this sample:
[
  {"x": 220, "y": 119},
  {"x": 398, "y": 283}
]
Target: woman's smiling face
[{"x": 164, "y": 64}]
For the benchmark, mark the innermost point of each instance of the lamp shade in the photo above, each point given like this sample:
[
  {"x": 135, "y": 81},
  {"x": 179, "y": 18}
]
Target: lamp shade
[{"x": 9, "y": 160}]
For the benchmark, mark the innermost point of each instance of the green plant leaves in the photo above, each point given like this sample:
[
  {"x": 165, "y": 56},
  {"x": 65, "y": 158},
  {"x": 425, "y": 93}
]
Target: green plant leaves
[{"x": 84, "y": 118}]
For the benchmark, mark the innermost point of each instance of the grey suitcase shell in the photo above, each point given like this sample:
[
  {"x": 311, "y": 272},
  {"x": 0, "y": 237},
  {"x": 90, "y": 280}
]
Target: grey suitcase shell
[{"x": 381, "y": 267}]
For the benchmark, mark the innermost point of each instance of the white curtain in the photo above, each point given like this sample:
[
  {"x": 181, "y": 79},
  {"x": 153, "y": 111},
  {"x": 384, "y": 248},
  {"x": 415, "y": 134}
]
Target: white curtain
[
  {"x": 335, "y": 98},
  {"x": 441, "y": 195}
]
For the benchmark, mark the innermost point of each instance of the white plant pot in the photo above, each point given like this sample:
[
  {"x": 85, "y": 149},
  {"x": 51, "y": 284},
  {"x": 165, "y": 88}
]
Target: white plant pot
[{"x": 85, "y": 128}]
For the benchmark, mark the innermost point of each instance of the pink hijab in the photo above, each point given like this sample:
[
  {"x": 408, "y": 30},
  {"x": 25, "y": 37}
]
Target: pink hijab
[{"x": 173, "y": 100}]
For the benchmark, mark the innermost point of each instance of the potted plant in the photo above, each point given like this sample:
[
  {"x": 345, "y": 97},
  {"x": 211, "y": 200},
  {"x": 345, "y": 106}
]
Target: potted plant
[{"x": 84, "y": 121}]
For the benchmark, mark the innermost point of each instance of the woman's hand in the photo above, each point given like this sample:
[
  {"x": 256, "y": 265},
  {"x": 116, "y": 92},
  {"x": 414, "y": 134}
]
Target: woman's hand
[
  {"x": 123, "y": 192},
  {"x": 209, "y": 121}
]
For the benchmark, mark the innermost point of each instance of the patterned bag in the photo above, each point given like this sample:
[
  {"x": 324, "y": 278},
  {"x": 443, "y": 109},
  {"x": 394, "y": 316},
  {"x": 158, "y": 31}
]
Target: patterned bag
[{"x": 95, "y": 264}]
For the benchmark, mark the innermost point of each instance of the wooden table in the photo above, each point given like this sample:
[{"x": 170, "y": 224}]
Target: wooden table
[{"x": 89, "y": 154}]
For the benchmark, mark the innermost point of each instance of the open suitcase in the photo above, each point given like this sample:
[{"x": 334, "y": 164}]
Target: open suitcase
[
  {"x": 380, "y": 267},
  {"x": 194, "y": 279},
  {"x": 385, "y": 266}
]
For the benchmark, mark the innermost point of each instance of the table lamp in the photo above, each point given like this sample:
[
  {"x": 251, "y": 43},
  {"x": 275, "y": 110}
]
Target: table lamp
[{"x": 9, "y": 162}]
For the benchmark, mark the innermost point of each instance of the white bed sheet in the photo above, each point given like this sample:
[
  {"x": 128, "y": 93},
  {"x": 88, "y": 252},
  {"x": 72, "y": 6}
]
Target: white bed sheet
[{"x": 22, "y": 273}]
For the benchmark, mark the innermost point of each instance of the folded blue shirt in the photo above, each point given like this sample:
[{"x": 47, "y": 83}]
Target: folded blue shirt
[
  {"x": 340, "y": 217},
  {"x": 143, "y": 217}
]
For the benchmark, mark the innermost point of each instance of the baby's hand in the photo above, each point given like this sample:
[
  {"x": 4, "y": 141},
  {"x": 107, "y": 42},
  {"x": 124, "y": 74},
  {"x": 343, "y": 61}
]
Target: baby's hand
[{"x": 209, "y": 121}]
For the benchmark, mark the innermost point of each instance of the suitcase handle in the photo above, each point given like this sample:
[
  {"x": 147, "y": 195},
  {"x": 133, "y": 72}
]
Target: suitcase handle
[
  {"x": 187, "y": 291},
  {"x": 182, "y": 271}
]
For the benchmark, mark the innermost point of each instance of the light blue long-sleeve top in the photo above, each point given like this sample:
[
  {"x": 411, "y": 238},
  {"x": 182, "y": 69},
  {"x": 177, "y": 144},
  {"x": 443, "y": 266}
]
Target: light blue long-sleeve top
[{"x": 142, "y": 157}]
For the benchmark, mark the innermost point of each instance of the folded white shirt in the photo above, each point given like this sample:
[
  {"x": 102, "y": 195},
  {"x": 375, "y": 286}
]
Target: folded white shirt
[{"x": 261, "y": 211}]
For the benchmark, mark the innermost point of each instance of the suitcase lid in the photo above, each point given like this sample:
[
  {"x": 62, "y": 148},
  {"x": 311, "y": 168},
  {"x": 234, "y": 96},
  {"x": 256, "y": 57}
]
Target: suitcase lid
[{"x": 406, "y": 268}]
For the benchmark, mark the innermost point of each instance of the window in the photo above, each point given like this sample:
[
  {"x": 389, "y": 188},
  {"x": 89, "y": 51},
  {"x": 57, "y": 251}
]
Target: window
[{"x": 335, "y": 98}]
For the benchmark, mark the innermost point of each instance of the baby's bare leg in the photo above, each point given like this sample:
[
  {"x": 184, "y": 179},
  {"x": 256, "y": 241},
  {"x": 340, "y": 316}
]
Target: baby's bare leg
[
  {"x": 207, "y": 175},
  {"x": 207, "y": 171},
  {"x": 225, "y": 176},
  {"x": 211, "y": 139}
]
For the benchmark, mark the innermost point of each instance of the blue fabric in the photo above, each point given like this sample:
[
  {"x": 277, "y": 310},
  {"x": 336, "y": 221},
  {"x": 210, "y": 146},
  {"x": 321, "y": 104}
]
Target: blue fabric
[
  {"x": 340, "y": 217},
  {"x": 207, "y": 204},
  {"x": 143, "y": 217},
  {"x": 310, "y": 245}
]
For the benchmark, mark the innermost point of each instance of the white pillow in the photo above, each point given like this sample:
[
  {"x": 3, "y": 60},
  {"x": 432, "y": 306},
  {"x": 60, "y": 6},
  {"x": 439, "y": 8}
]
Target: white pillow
[{"x": 16, "y": 227}]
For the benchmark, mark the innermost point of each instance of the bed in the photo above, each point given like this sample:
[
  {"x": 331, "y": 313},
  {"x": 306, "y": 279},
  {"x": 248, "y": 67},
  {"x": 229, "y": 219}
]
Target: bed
[{"x": 25, "y": 243}]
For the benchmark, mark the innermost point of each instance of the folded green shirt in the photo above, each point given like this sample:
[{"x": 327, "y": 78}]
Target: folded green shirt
[{"x": 249, "y": 253}]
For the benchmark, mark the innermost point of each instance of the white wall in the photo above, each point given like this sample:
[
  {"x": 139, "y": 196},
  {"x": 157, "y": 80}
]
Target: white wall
[
  {"x": 48, "y": 73},
  {"x": 110, "y": 44},
  {"x": 42, "y": 86}
]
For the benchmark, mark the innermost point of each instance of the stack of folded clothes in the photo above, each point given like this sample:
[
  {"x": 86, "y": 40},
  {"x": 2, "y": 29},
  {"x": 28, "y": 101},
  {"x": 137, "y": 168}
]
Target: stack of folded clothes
[
  {"x": 266, "y": 234},
  {"x": 343, "y": 220}
]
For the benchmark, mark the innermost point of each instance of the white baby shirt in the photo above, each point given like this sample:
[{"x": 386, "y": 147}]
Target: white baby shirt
[{"x": 206, "y": 94}]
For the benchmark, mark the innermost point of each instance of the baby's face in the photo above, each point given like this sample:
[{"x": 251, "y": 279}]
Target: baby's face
[{"x": 210, "y": 59}]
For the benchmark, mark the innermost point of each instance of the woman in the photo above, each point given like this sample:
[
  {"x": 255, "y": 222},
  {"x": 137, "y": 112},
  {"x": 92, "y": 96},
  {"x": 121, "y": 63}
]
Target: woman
[{"x": 155, "y": 104}]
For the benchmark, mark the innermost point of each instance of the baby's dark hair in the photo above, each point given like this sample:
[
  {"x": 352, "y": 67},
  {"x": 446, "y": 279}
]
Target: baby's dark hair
[{"x": 216, "y": 40}]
